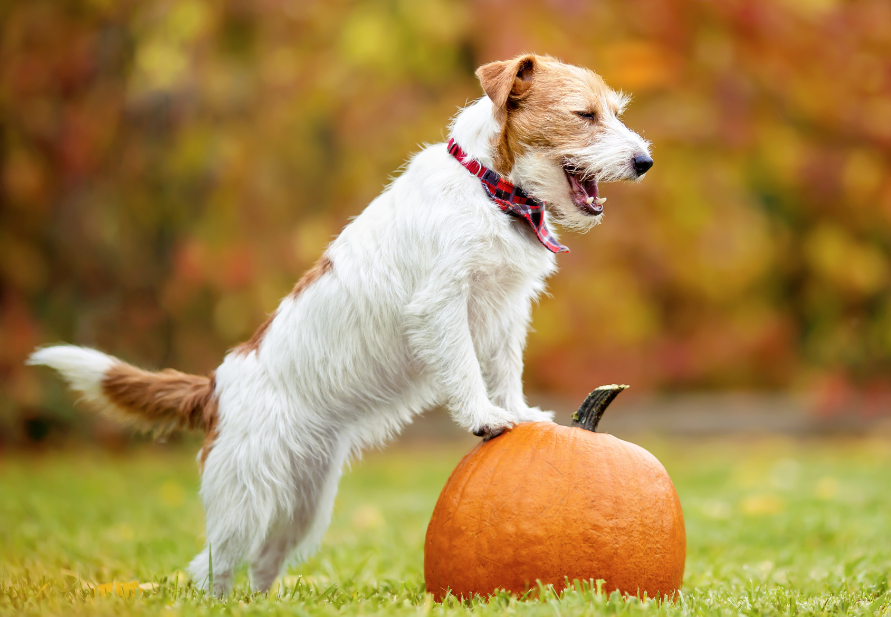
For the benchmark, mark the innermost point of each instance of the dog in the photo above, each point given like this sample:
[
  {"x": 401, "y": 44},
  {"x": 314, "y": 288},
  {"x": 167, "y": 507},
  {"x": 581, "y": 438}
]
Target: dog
[{"x": 424, "y": 299}]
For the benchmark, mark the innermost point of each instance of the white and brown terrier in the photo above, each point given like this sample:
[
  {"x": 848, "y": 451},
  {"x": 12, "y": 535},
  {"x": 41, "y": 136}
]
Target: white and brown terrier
[{"x": 423, "y": 300}]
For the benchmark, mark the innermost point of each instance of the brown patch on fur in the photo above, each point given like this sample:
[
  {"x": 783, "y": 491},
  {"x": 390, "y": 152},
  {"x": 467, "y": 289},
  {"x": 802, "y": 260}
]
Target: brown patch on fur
[
  {"x": 254, "y": 343},
  {"x": 322, "y": 267},
  {"x": 167, "y": 399},
  {"x": 502, "y": 81},
  {"x": 535, "y": 99}
]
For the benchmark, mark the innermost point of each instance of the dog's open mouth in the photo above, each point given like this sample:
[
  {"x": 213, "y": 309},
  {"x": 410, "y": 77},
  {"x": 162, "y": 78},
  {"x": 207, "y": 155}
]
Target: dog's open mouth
[{"x": 584, "y": 192}]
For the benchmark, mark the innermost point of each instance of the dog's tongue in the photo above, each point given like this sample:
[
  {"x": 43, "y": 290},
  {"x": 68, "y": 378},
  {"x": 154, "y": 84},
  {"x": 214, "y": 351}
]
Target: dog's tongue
[
  {"x": 583, "y": 191},
  {"x": 590, "y": 187}
]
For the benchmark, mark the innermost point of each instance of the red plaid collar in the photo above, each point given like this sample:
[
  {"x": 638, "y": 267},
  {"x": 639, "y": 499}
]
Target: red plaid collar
[{"x": 511, "y": 199}]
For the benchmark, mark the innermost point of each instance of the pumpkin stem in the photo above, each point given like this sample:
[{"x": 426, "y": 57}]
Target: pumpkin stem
[{"x": 589, "y": 414}]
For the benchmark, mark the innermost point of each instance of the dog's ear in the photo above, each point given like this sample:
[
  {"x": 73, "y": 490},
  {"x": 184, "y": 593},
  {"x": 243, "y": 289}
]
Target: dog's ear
[{"x": 507, "y": 81}]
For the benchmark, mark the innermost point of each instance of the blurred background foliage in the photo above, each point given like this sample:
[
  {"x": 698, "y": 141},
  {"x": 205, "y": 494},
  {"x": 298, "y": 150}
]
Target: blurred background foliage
[{"x": 169, "y": 168}]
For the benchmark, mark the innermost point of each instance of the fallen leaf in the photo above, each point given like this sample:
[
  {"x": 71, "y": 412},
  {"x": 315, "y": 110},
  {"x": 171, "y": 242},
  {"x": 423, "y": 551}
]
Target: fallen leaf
[{"x": 124, "y": 590}]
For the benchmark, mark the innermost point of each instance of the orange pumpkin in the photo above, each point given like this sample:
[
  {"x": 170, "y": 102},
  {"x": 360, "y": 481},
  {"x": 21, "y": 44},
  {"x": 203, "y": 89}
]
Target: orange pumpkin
[{"x": 544, "y": 502}]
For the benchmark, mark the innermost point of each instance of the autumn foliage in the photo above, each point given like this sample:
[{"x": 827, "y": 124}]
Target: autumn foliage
[{"x": 169, "y": 169}]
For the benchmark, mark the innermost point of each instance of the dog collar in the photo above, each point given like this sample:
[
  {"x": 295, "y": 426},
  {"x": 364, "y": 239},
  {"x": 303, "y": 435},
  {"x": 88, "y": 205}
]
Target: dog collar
[{"x": 510, "y": 199}]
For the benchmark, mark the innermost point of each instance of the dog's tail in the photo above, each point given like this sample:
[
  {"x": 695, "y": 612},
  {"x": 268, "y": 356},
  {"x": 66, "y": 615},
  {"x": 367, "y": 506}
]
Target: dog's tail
[{"x": 162, "y": 401}]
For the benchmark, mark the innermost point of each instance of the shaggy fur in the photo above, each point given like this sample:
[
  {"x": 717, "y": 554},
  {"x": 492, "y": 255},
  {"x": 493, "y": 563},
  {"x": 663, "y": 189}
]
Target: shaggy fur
[{"x": 423, "y": 300}]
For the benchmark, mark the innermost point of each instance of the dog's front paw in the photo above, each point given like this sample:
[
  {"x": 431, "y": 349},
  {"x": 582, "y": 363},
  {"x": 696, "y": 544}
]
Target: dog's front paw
[
  {"x": 492, "y": 423},
  {"x": 489, "y": 433},
  {"x": 534, "y": 414}
]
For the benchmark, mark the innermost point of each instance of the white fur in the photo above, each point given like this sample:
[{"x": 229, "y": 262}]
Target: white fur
[
  {"x": 607, "y": 159},
  {"x": 83, "y": 368},
  {"x": 427, "y": 303}
]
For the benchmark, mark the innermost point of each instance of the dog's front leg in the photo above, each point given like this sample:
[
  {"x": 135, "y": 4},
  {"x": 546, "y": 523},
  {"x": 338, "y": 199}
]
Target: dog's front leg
[
  {"x": 504, "y": 366},
  {"x": 439, "y": 335}
]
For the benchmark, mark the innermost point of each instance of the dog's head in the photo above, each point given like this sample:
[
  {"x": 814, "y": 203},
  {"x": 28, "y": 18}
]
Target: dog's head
[{"x": 560, "y": 134}]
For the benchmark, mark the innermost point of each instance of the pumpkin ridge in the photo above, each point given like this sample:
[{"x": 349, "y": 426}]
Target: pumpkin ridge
[
  {"x": 464, "y": 472},
  {"x": 495, "y": 471}
]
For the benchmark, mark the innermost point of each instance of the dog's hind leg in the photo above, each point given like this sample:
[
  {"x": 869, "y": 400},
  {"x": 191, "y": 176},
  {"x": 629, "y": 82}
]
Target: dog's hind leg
[
  {"x": 247, "y": 490},
  {"x": 266, "y": 565},
  {"x": 316, "y": 478},
  {"x": 318, "y": 513},
  {"x": 232, "y": 529},
  {"x": 217, "y": 573}
]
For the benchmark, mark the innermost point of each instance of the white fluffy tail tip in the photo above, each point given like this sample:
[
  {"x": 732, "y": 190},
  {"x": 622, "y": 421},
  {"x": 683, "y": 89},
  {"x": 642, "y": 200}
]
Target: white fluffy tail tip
[{"x": 83, "y": 368}]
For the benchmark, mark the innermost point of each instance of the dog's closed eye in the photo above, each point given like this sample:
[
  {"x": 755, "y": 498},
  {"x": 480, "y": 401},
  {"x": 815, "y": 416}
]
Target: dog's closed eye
[{"x": 587, "y": 115}]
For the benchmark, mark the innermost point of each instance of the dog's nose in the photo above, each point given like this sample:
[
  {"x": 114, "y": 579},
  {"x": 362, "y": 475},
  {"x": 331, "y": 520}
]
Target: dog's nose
[{"x": 642, "y": 163}]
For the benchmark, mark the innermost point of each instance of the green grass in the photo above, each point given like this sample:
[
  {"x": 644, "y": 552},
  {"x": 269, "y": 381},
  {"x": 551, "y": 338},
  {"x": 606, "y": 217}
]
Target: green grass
[{"x": 773, "y": 528}]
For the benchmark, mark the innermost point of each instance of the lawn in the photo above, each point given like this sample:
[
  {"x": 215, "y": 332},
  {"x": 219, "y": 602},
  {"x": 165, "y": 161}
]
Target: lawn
[{"x": 774, "y": 527}]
